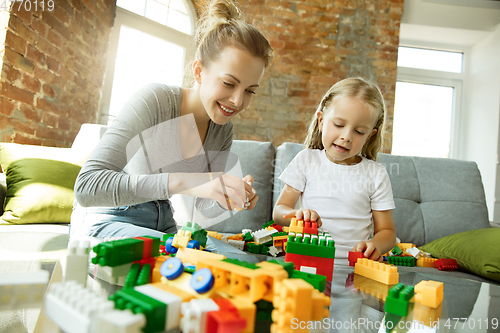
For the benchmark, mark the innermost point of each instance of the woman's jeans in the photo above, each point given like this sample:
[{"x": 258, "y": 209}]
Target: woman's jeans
[{"x": 152, "y": 218}]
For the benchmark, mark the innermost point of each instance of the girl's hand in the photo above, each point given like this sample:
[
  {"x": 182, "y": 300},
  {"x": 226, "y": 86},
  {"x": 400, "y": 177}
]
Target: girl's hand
[
  {"x": 369, "y": 250},
  {"x": 252, "y": 197},
  {"x": 307, "y": 215}
]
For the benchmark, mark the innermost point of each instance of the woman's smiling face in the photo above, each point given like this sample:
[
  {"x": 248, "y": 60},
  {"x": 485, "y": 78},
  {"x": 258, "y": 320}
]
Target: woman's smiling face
[{"x": 228, "y": 84}]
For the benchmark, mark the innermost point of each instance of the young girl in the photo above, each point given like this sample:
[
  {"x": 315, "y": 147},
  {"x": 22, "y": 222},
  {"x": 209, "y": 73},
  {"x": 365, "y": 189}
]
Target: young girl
[
  {"x": 169, "y": 140},
  {"x": 339, "y": 183}
]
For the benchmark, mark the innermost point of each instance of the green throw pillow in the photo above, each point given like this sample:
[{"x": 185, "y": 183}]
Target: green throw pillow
[
  {"x": 476, "y": 251},
  {"x": 40, "y": 183}
]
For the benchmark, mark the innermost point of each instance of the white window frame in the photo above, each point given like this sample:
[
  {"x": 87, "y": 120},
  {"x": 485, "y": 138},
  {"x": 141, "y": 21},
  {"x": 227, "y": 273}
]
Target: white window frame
[
  {"x": 438, "y": 78},
  {"x": 126, "y": 18}
]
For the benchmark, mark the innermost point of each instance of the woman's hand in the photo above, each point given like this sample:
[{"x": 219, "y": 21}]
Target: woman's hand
[
  {"x": 252, "y": 196},
  {"x": 307, "y": 215},
  {"x": 369, "y": 250}
]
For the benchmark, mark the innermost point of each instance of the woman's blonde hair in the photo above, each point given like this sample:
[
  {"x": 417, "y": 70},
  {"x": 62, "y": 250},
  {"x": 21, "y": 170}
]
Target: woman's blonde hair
[
  {"x": 221, "y": 25},
  {"x": 360, "y": 88}
]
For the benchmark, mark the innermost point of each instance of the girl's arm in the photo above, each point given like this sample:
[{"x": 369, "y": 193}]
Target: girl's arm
[
  {"x": 384, "y": 238},
  {"x": 284, "y": 208}
]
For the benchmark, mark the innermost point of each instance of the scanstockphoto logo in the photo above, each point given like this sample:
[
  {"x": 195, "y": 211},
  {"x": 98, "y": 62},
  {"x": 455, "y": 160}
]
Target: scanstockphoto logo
[{"x": 359, "y": 324}]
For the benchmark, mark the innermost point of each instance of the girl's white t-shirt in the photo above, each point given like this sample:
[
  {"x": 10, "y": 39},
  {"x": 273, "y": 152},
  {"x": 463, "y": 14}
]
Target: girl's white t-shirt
[{"x": 343, "y": 195}]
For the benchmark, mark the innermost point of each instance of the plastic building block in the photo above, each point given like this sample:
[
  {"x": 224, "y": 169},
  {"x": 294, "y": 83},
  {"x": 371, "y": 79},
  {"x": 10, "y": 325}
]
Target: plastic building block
[
  {"x": 446, "y": 264},
  {"x": 426, "y": 262},
  {"x": 73, "y": 308},
  {"x": 264, "y": 310},
  {"x": 402, "y": 261},
  {"x": 276, "y": 226},
  {"x": 118, "y": 321},
  {"x": 192, "y": 227},
  {"x": 226, "y": 319},
  {"x": 183, "y": 282},
  {"x": 22, "y": 290},
  {"x": 318, "y": 246},
  {"x": 429, "y": 293},
  {"x": 377, "y": 271},
  {"x": 237, "y": 237},
  {"x": 182, "y": 238},
  {"x": 201, "y": 237},
  {"x": 396, "y": 251},
  {"x": 371, "y": 287},
  {"x": 311, "y": 227},
  {"x": 288, "y": 266},
  {"x": 246, "y": 310},
  {"x": 214, "y": 234},
  {"x": 144, "y": 275},
  {"x": 154, "y": 310},
  {"x": 427, "y": 315},
  {"x": 131, "y": 279},
  {"x": 315, "y": 280},
  {"x": 405, "y": 246},
  {"x": 295, "y": 298},
  {"x": 413, "y": 251},
  {"x": 192, "y": 244},
  {"x": 172, "y": 302},
  {"x": 77, "y": 262},
  {"x": 119, "y": 252},
  {"x": 239, "y": 281},
  {"x": 353, "y": 257},
  {"x": 398, "y": 299},
  {"x": 184, "y": 296},
  {"x": 247, "y": 237},
  {"x": 268, "y": 224},
  {"x": 194, "y": 314},
  {"x": 257, "y": 248},
  {"x": 296, "y": 225},
  {"x": 169, "y": 247},
  {"x": 263, "y": 236},
  {"x": 156, "y": 275},
  {"x": 114, "y": 275},
  {"x": 324, "y": 266},
  {"x": 237, "y": 244},
  {"x": 274, "y": 251},
  {"x": 194, "y": 256},
  {"x": 308, "y": 269}
]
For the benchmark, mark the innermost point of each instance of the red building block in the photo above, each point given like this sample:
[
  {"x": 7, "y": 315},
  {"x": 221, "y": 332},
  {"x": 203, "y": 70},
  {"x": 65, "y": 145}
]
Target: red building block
[
  {"x": 277, "y": 227},
  {"x": 446, "y": 264},
  {"x": 226, "y": 319},
  {"x": 324, "y": 266},
  {"x": 353, "y": 257},
  {"x": 311, "y": 227}
]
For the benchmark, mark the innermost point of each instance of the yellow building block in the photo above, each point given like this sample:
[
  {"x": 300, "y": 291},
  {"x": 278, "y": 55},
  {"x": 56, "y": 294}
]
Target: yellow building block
[
  {"x": 186, "y": 297},
  {"x": 275, "y": 273},
  {"x": 426, "y": 262},
  {"x": 156, "y": 276},
  {"x": 404, "y": 247},
  {"x": 278, "y": 240},
  {"x": 214, "y": 234},
  {"x": 235, "y": 280},
  {"x": 296, "y": 226},
  {"x": 182, "y": 238},
  {"x": 237, "y": 237},
  {"x": 371, "y": 287},
  {"x": 298, "y": 300},
  {"x": 193, "y": 256},
  {"x": 377, "y": 271},
  {"x": 247, "y": 310},
  {"x": 429, "y": 293}
]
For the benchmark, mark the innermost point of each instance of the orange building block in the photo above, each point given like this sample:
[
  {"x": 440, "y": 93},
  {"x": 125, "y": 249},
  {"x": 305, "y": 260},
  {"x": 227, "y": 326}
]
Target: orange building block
[
  {"x": 404, "y": 247},
  {"x": 214, "y": 234},
  {"x": 246, "y": 310},
  {"x": 429, "y": 293},
  {"x": 377, "y": 271},
  {"x": 426, "y": 262},
  {"x": 186, "y": 297},
  {"x": 237, "y": 237},
  {"x": 371, "y": 287},
  {"x": 156, "y": 276},
  {"x": 193, "y": 256}
]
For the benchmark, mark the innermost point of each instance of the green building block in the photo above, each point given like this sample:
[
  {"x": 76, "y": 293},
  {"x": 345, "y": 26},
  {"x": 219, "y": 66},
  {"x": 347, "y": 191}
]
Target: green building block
[
  {"x": 263, "y": 310},
  {"x": 316, "y": 280},
  {"x": 200, "y": 236},
  {"x": 191, "y": 226},
  {"x": 167, "y": 236},
  {"x": 144, "y": 275},
  {"x": 248, "y": 237},
  {"x": 154, "y": 310},
  {"x": 241, "y": 263},
  {"x": 402, "y": 261},
  {"x": 277, "y": 234},
  {"x": 155, "y": 250},
  {"x": 254, "y": 248},
  {"x": 118, "y": 252},
  {"x": 391, "y": 322},
  {"x": 397, "y": 251},
  {"x": 311, "y": 247},
  {"x": 288, "y": 266},
  {"x": 264, "y": 249},
  {"x": 398, "y": 298},
  {"x": 132, "y": 275}
]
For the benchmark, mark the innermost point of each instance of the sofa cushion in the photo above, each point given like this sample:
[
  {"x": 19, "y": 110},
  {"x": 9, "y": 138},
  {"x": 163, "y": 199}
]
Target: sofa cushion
[
  {"x": 475, "y": 251},
  {"x": 256, "y": 159},
  {"x": 284, "y": 155},
  {"x": 435, "y": 197},
  {"x": 40, "y": 183}
]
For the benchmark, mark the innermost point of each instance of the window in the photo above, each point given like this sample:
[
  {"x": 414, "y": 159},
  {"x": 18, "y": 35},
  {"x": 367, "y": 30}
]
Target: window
[
  {"x": 149, "y": 43},
  {"x": 427, "y": 105}
]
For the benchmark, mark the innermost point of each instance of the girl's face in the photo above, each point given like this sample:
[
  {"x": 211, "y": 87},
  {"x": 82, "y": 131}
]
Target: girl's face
[
  {"x": 228, "y": 84},
  {"x": 346, "y": 125}
]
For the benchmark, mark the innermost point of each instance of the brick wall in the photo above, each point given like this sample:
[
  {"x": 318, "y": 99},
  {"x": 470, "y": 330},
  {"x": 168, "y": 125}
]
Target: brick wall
[
  {"x": 317, "y": 43},
  {"x": 53, "y": 68}
]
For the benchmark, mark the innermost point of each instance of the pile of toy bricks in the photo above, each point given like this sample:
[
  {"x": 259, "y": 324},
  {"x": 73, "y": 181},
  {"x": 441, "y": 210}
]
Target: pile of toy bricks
[
  {"x": 407, "y": 254},
  {"x": 173, "y": 284}
]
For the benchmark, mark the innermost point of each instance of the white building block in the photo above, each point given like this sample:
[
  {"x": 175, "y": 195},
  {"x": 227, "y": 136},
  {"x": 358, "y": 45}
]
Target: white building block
[
  {"x": 237, "y": 244},
  {"x": 22, "y": 290},
  {"x": 77, "y": 262},
  {"x": 273, "y": 250},
  {"x": 74, "y": 308},
  {"x": 118, "y": 321},
  {"x": 173, "y": 303},
  {"x": 307, "y": 269},
  {"x": 195, "y": 314},
  {"x": 263, "y": 236}
]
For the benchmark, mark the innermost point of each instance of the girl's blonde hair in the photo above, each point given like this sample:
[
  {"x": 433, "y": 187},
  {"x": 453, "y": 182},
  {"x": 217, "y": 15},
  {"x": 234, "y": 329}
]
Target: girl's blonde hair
[
  {"x": 360, "y": 88},
  {"x": 221, "y": 25}
]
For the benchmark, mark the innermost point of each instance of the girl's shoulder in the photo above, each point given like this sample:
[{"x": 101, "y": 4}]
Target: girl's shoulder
[{"x": 372, "y": 166}]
